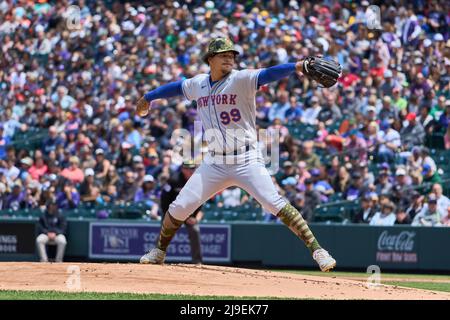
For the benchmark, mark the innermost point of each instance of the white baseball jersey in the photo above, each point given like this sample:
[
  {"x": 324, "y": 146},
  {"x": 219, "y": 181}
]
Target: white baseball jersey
[{"x": 227, "y": 109}]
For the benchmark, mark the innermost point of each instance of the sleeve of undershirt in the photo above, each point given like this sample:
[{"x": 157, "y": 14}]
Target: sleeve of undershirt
[
  {"x": 168, "y": 90},
  {"x": 275, "y": 73}
]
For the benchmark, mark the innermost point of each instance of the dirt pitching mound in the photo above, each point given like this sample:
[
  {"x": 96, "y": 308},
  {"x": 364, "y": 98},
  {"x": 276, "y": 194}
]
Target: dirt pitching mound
[{"x": 196, "y": 280}]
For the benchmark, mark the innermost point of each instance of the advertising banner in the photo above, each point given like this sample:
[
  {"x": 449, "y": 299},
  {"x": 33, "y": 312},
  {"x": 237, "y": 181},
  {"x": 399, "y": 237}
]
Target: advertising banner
[
  {"x": 17, "y": 238},
  {"x": 396, "y": 246},
  {"x": 129, "y": 241}
]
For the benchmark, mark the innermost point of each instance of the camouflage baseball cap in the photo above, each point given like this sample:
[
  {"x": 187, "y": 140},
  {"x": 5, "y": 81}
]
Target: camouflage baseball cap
[
  {"x": 189, "y": 164},
  {"x": 219, "y": 45}
]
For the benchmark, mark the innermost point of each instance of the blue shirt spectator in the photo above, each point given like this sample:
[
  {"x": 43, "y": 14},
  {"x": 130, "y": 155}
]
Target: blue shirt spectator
[
  {"x": 278, "y": 109},
  {"x": 52, "y": 141},
  {"x": 68, "y": 198}
]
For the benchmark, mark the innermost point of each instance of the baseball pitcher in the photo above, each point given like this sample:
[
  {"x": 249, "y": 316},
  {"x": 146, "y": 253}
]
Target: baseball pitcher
[{"x": 226, "y": 104}]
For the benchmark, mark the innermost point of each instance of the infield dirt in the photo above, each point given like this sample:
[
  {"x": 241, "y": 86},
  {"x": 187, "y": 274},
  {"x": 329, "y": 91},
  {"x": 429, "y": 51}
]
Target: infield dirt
[{"x": 196, "y": 280}]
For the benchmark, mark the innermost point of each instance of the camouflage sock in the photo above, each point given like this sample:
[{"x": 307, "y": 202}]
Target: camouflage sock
[
  {"x": 169, "y": 227},
  {"x": 294, "y": 221}
]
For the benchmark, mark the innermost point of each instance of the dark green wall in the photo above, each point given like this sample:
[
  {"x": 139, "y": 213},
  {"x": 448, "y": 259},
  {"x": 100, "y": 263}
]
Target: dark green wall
[{"x": 353, "y": 246}]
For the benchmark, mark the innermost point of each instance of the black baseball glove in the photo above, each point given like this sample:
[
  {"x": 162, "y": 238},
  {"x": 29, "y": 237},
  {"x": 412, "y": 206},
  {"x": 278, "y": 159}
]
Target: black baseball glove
[{"x": 325, "y": 72}]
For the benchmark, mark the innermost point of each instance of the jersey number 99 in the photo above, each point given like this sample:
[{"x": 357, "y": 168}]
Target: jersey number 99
[{"x": 233, "y": 115}]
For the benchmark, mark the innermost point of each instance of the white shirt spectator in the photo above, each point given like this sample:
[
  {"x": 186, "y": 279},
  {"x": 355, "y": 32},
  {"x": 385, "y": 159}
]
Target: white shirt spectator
[
  {"x": 10, "y": 127},
  {"x": 442, "y": 204},
  {"x": 425, "y": 218},
  {"x": 380, "y": 219},
  {"x": 61, "y": 97},
  {"x": 12, "y": 174},
  {"x": 18, "y": 79},
  {"x": 232, "y": 197},
  {"x": 390, "y": 136},
  {"x": 310, "y": 115}
]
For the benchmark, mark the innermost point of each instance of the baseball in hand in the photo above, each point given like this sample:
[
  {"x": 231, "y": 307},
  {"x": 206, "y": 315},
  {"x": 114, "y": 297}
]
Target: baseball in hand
[{"x": 142, "y": 107}]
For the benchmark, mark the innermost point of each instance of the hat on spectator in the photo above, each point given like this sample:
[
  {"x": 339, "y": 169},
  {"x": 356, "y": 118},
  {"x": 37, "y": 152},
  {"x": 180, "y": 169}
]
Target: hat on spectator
[
  {"x": 153, "y": 155},
  {"x": 315, "y": 172},
  {"x": 415, "y": 150},
  {"x": 85, "y": 149},
  {"x": 414, "y": 194},
  {"x": 432, "y": 198},
  {"x": 89, "y": 172},
  {"x": 400, "y": 172},
  {"x": 385, "y": 166},
  {"x": 301, "y": 164},
  {"x": 52, "y": 177},
  {"x": 289, "y": 181},
  {"x": 373, "y": 196},
  {"x": 189, "y": 164},
  {"x": 137, "y": 158},
  {"x": 371, "y": 109},
  {"x": 27, "y": 161},
  {"x": 438, "y": 37},
  {"x": 17, "y": 184},
  {"x": 356, "y": 175},
  {"x": 385, "y": 124},
  {"x": 411, "y": 116},
  {"x": 320, "y": 188},
  {"x": 126, "y": 145},
  {"x": 34, "y": 184},
  {"x": 148, "y": 178},
  {"x": 287, "y": 164},
  {"x": 426, "y": 168},
  {"x": 99, "y": 151},
  {"x": 388, "y": 74},
  {"x": 384, "y": 173}
]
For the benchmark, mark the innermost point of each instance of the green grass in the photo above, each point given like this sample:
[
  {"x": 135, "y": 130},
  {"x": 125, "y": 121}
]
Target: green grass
[
  {"x": 435, "y": 286},
  {"x": 363, "y": 274},
  {"x": 58, "y": 295},
  {"x": 424, "y": 285}
]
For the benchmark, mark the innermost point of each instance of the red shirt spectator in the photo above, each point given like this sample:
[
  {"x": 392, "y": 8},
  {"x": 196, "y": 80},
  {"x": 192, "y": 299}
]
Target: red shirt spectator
[
  {"x": 38, "y": 169},
  {"x": 73, "y": 173}
]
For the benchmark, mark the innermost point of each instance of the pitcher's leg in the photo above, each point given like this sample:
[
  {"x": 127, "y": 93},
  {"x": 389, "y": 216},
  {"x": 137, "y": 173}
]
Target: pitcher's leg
[
  {"x": 203, "y": 184},
  {"x": 256, "y": 180}
]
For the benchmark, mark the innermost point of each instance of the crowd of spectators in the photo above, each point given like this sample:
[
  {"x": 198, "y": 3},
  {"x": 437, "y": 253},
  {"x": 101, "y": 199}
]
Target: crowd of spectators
[{"x": 78, "y": 82}]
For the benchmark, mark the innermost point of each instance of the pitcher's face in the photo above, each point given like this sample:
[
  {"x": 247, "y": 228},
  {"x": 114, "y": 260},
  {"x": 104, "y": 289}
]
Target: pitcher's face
[{"x": 224, "y": 62}]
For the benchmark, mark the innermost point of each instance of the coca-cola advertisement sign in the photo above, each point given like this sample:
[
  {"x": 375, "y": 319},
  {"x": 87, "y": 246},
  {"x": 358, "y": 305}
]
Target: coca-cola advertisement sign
[{"x": 397, "y": 247}]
